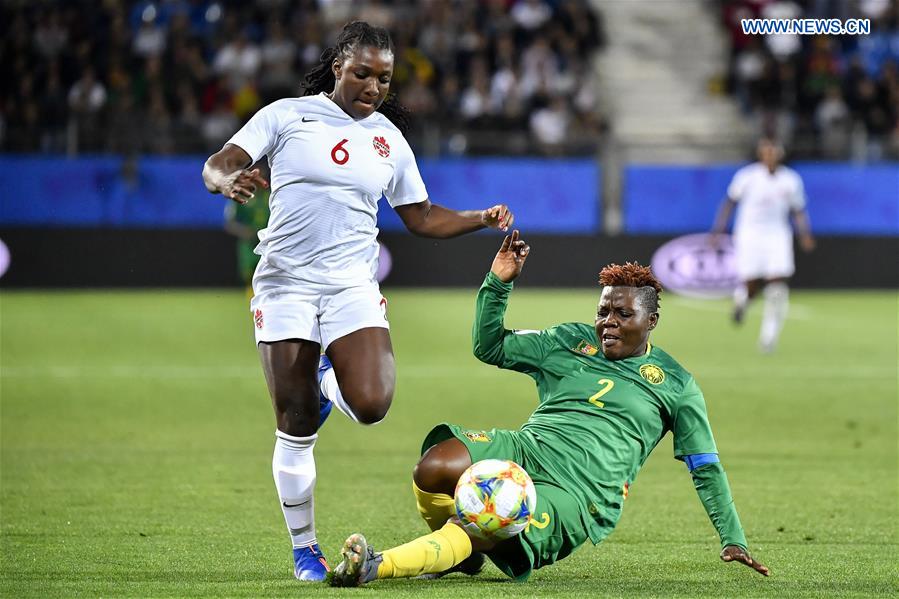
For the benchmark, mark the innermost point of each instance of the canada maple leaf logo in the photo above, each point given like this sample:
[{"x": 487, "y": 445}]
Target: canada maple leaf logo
[{"x": 381, "y": 146}]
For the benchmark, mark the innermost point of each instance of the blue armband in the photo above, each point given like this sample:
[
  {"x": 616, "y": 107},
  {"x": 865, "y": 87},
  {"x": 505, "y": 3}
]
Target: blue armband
[{"x": 700, "y": 459}]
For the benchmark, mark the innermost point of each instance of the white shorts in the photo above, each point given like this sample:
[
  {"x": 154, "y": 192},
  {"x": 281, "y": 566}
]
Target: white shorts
[
  {"x": 764, "y": 257},
  {"x": 285, "y": 308}
]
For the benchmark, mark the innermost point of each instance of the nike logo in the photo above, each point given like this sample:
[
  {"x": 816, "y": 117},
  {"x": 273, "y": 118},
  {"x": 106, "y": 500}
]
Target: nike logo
[
  {"x": 287, "y": 505},
  {"x": 305, "y": 120}
]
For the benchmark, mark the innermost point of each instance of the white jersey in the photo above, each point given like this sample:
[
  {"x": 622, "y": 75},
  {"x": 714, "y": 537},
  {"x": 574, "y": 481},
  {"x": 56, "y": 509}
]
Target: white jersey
[
  {"x": 328, "y": 173},
  {"x": 765, "y": 200}
]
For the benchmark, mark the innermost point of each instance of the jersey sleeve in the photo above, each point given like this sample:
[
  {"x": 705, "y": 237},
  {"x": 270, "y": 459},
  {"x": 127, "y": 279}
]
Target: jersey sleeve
[
  {"x": 737, "y": 186},
  {"x": 797, "y": 197},
  {"x": 690, "y": 423},
  {"x": 258, "y": 136},
  {"x": 406, "y": 186},
  {"x": 492, "y": 343}
]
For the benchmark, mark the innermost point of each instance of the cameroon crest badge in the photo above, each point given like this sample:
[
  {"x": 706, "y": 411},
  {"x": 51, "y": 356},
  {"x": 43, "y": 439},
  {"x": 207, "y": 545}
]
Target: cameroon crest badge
[{"x": 652, "y": 373}]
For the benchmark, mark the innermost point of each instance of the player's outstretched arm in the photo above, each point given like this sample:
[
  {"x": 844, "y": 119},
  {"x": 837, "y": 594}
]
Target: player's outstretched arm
[
  {"x": 492, "y": 343},
  {"x": 225, "y": 172},
  {"x": 735, "y": 553},
  {"x": 713, "y": 489},
  {"x": 510, "y": 258},
  {"x": 433, "y": 220}
]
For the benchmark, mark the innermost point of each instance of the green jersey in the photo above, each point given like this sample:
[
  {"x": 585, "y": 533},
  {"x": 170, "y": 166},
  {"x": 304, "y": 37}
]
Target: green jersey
[
  {"x": 598, "y": 419},
  {"x": 254, "y": 214}
]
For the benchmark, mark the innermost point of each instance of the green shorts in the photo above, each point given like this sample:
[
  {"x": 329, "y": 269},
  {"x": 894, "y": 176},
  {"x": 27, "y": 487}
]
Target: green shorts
[
  {"x": 557, "y": 527},
  {"x": 247, "y": 260}
]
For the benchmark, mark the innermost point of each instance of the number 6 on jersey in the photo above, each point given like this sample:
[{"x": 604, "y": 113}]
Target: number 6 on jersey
[{"x": 339, "y": 154}]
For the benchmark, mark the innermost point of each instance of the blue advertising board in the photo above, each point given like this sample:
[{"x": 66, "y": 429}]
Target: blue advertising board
[
  {"x": 843, "y": 199},
  {"x": 551, "y": 196}
]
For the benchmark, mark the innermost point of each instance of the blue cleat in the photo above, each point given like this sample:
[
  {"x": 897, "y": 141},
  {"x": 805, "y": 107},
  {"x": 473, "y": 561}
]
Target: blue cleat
[
  {"x": 324, "y": 404},
  {"x": 309, "y": 563}
]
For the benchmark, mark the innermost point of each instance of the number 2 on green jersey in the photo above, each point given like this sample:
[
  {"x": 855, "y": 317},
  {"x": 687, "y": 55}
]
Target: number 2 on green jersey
[{"x": 606, "y": 387}]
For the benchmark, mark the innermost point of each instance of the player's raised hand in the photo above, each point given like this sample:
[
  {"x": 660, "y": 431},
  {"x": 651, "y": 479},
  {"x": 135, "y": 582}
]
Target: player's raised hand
[
  {"x": 241, "y": 186},
  {"x": 733, "y": 553},
  {"x": 510, "y": 258},
  {"x": 498, "y": 217}
]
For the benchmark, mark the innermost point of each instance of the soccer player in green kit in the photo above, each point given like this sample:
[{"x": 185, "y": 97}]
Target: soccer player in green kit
[{"x": 607, "y": 397}]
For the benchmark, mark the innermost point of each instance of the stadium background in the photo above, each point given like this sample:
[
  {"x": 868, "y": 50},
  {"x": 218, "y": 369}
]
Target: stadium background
[{"x": 610, "y": 127}]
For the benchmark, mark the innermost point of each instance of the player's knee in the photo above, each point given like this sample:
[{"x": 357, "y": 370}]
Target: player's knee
[
  {"x": 437, "y": 472},
  {"x": 296, "y": 410},
  {"x": 372, "y": 408},
  {"x": 371, "y": 413},
  {"x": 370, "y": 403},
  {"x": 426, "y": 474}
]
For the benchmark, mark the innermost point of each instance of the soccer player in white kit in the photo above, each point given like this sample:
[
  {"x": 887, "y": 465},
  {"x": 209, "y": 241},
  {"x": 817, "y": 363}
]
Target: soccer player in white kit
[
  {"x": 333, "y": 153},
  {"x": 766, "y": 194}
]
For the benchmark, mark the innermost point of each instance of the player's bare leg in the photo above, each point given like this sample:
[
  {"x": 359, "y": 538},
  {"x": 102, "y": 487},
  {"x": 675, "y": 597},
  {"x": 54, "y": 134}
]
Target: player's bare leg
[
  {"x": 435, "y": 477},
  {"x": 440, "y": 467},
  {"x": 743, "y": 294},
  {"x": 777, "y": 304},
  {"x": 290, "y": 370},
  {"x": 364, "y": 374}
]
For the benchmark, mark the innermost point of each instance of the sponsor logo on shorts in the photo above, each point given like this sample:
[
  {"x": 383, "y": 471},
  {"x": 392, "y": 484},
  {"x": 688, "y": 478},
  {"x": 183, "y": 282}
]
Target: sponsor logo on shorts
[
  {"x": 584, "y": 347},
  {"x": 652, "y": 373},
  {"x": 383, "y": 305},
  {"x": 624, "y": 490},
  {"x": 381, "y": 146},
  {"x": 257, "y": 318},
  {"x": 477, "y": 436}
]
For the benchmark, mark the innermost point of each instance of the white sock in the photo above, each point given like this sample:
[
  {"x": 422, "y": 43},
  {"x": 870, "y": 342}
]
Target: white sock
[
  {"x": 777, "y": 303},
  {"x": 331, "y": 390},
  {"x": 294, "y": 470},
  {"x": 741, "y": 296}
]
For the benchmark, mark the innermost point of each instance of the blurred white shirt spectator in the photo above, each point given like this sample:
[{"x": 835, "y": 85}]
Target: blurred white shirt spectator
[
  {"x": 539, "y": 67},
  {"x": 873, "y": 9},
  {"x": 550, "y": 124},
  {"x": 783, "y": 45},
  {"x": 833, "y": 122},
  {"x": 531, "y": 14},
  {"x": 149, "y": 40},
  {"x": 50, "y": 37},
  {"x": 278, "y": 54},
  {"x": 476, "y": 97},
  {"x": 239, "y": 61},
  {"x": 219, "y": 125},
  {"x": 87, "y": 95}
]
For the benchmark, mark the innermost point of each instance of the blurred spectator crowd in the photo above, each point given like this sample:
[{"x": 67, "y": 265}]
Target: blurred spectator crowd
[
  {"x": 181, "y": 76},
  {"x": 834, "y": 97}
]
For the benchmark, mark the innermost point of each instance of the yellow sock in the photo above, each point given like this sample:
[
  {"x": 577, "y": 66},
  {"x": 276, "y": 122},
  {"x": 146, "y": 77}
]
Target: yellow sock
[
  {"x": 436, "y": 552},
  {"x": 435, "y": 508}
]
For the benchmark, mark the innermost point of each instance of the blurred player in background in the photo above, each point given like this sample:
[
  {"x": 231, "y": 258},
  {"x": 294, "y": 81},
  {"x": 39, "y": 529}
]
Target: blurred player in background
[
  {"x": 244, "y": 221},
  {"x": 607, "y": 397},
  {"x": 333, "y": 154},
  {"x": 766, "y": 194}
]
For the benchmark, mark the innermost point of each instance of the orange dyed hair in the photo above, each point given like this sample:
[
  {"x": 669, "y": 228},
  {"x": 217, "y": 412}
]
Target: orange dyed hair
[{"x": 632, "y": 274}]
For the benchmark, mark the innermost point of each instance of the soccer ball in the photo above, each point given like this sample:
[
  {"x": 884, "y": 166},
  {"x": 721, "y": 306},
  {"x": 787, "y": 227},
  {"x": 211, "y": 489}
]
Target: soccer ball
[{"x": 495, "y": 499}]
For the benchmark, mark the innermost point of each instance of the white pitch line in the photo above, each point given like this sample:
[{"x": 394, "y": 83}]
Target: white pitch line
[
  {"x": 769, "y": 371},
  {"x": 796, "y": 311}
]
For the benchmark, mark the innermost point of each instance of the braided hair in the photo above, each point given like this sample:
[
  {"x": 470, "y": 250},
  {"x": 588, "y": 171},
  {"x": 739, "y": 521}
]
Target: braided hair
[{"x": 358, "y": 33}]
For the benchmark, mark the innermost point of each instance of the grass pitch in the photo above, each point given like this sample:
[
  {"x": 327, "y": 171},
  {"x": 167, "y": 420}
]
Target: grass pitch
[{"x": 136, "y": 439}]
